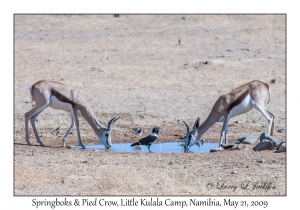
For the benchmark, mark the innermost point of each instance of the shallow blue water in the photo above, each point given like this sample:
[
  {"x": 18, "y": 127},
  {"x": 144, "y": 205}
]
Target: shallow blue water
[{"x": 168, "y": 147}]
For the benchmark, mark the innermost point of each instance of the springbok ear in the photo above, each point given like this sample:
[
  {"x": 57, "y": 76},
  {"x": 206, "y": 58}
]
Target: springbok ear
[{"x": 98, "y": 123}]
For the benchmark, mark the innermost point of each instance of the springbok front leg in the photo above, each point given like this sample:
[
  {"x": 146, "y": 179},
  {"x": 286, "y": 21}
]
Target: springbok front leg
[
  {"x": 71, "y": 126},
  {"x": 66, "y": 135},
  {"x": 224, "y": 132},
  {"x": 74, "y": 116}
]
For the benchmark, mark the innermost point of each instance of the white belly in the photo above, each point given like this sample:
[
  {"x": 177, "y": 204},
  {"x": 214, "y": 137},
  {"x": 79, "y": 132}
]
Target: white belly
[
  {"x": 242, "y": 108},
  {"x": 56, "y": 104}
]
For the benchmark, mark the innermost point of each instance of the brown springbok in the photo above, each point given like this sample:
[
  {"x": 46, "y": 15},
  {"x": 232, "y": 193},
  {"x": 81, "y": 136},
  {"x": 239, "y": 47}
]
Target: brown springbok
[
  {"x": 59, "y": 96},
  {"x": 239, "y": 101}
]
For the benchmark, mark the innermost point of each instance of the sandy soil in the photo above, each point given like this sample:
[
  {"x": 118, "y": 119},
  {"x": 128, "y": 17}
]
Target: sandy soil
[{"x": 134, "y": 68}]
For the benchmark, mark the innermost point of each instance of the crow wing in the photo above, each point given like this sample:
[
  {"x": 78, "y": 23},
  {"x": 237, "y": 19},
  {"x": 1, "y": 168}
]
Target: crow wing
[{"x": 148, "y": 140}]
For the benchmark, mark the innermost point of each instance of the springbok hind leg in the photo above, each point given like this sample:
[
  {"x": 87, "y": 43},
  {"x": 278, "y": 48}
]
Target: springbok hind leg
[
  {"x": 38, "y": 108},
  {"x": 32, "y": 120},
  {"x": 273, "y": 119},
  {"x": 268, "y": 115}
]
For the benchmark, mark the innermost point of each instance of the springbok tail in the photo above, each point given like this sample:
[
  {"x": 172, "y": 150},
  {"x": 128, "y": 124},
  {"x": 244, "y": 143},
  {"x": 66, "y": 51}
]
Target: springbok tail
[{"x": 30, "y": 91}]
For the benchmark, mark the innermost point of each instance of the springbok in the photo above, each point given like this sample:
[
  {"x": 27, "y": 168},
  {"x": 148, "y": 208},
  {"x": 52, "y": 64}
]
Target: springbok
[
  {"x": 59, "y": 96},
  {"x": 237, "y": 102}
]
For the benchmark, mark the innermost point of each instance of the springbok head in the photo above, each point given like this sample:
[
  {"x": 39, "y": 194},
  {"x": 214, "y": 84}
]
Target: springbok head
[
  {"x": 190, "y": 138},
  {"x": 105, "y": 133}
]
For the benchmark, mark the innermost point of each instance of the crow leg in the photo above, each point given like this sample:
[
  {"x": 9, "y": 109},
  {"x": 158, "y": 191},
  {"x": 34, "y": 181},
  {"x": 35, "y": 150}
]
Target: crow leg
[{"x": 149, "y": 147}]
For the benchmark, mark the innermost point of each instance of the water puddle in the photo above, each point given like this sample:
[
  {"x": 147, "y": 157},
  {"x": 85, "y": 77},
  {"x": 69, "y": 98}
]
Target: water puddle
[{"x": 168, "y": 147}]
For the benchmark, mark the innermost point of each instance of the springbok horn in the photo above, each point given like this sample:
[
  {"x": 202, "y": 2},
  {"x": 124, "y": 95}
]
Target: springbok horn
[
  {"x": 187, "y": 128},
  {"x": 111, "y": 122},
  {"x": 197, "y": 123}
]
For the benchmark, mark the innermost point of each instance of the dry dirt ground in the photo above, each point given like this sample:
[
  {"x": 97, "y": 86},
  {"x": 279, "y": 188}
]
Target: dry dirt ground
[{"x": 134, "y": 67}]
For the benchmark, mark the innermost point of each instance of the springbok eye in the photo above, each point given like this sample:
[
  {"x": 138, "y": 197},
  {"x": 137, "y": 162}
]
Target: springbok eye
[{"x": 106, "y": 134}]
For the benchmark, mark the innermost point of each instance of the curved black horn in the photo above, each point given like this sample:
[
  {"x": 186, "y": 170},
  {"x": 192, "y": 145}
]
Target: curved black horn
[
  {"x": 197, "y": 123},
  {"x": 187, "y": 128},
  {"x": 111, "y": 122}
]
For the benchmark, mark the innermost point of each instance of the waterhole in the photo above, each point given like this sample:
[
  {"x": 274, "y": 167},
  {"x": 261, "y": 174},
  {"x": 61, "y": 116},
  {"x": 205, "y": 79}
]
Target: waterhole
[{"x": 168, "y": 147}]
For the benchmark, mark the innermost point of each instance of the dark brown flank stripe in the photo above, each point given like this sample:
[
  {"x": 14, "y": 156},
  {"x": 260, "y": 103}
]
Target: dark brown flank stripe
[
  {"x": 62, "y": 98},
  {"x": 238, "y": 100}
]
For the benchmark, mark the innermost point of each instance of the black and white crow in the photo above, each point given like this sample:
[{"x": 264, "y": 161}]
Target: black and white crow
[{"x": 149, "y": 139}]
